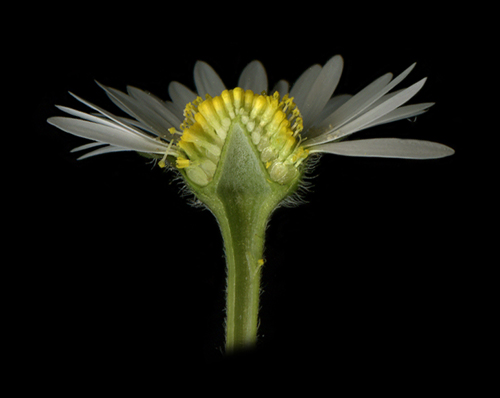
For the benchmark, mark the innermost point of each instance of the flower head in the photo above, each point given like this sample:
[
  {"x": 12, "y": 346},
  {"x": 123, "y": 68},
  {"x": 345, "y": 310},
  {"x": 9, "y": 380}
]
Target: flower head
[
  {"x": 286, "y": 125},
  {"x": 242, "y": 150},
  {"x": 273, "y": 124}
]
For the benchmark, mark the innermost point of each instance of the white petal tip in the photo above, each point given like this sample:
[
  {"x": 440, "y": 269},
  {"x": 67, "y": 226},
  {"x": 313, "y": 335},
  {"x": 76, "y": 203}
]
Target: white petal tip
[{"x": 387, "y": 148}]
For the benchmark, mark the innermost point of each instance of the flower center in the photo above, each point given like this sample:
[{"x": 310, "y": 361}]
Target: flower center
[{"x": 272, "y": 123}]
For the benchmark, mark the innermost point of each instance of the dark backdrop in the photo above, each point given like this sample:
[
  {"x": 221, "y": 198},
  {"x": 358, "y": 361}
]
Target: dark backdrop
[{"x": 123, "y": 270}]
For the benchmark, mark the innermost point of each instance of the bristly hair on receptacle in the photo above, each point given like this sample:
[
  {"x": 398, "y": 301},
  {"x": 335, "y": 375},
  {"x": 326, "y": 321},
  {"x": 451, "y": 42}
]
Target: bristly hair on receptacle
[
  {"x": 305, "y": 185},
  {"x": 294, "y": 200},
  {"x": 185, "y": 190}
]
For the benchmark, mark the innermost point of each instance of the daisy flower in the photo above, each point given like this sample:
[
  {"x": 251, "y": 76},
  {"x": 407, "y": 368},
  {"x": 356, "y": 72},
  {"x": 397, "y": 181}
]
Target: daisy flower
[{"x": 243, "y": 150}]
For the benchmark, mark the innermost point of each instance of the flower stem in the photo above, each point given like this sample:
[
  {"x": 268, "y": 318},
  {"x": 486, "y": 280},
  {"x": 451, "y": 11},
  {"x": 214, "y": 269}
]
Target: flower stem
[
  {"x": 242, "y": 198},
  {"x": 243, "y": 231}
]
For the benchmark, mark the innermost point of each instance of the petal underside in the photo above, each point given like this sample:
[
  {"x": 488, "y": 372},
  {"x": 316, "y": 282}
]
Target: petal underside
[
  {"x": 369, "y": 117},
  {"x": 113, "y": 135},
  {"x": 387, "y": 148}
]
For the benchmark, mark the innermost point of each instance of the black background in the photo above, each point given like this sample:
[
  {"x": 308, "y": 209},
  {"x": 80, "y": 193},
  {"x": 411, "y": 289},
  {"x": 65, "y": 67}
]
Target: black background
[{"x": 119, "y": 272}]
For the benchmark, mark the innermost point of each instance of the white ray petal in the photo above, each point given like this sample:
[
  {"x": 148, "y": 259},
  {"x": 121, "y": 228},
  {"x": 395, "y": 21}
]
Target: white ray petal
[
  {"x": 382, "y": 100},
  {"x": 139, "y": 110},
  {"x": 154, "y": 104},
  {"x": 87, "y": 146},
  {"x": 370, "y": 116},
  {"x": 387, "y": 148},
  {"x": 362, "y": 100},
  {"x": 126, "y": 121},
  {"x": 207, "y": 80},
  {"x": 116, "y": 136},
  {"x": 86, "y": 116},
  {"x": 303, "y": 85},
  {"x": 102, "y": 151},
  {"x": 321, "y": 90},
  {"x": 254, "y": 78},
  {"x": 103, "y": 120},
  {"x": 356, "y": 104},
  {"x": 331, "y": 106},
  {"x": 282, "y": 87},
  {"x": 180, "y": 94},
  {"x": 121, "y": 122},
  {"x": 404, "y": 112},
  {"x": 178, "y": 112},
  {"x": 140, "y": 125}
]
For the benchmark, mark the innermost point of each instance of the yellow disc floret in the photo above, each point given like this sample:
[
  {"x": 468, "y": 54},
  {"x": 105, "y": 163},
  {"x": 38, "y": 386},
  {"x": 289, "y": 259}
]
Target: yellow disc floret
[{"x": 273, "y": 125}]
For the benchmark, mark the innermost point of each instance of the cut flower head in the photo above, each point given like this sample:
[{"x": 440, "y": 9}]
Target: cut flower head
[
  {"x": 284, "y": 124},
  {"x": 243, "y": 150}
]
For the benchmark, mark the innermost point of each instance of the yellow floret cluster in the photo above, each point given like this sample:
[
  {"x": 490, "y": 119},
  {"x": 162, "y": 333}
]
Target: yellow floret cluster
[{"x": 272, "y": 123}]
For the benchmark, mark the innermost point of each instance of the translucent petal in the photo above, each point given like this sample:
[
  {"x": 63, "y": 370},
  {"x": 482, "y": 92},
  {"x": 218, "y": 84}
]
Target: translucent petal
[
  {"x": 86, "y": 146},
  {"x": 141, "y": 110},
  {"x": 176, "y": 110},
  {"x": 302, "y": 86},
  {"x": 370, "y": 116},
  {"x": 102, "y": 151},
  {"x": 282, "y": 87},
  {"x": 180, "y": 94},
  {"x": 86, "y": 116},
  {"x": 111, "y": 135},
  {"x": 387, "y": 148},
  {"x": 207, "y": 80},
  {"x": 331, "y": 106},
  {"x": 137, "y": 123},
  {"x": 404, "y": 112},
  {"x": 321, "y": 90},
  {"x": 154, "y": 104},
  {"x": 362, "y": 100},
  {"x": 121, "y": 122},
  {"x": 103, "y": 120},
  {"x": 253, "y": 78}
]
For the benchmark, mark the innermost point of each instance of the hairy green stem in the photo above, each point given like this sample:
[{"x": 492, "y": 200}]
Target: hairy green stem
[
  {"x": 242, "y": 198},
  {"x": 244, "y": 244}
]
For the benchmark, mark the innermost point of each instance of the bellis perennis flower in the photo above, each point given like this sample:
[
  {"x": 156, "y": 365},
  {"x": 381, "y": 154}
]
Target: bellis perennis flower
[{"x": 243, "y": 150}]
